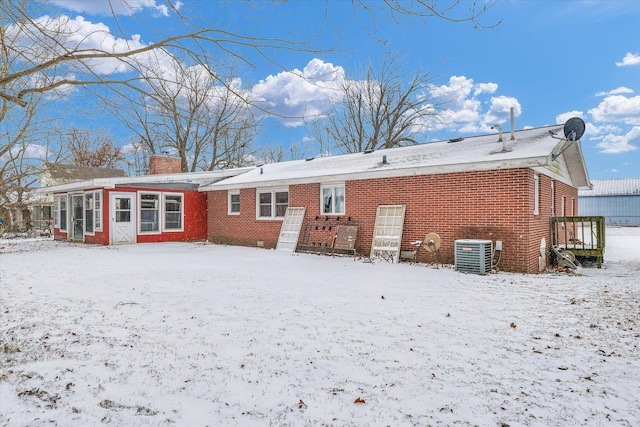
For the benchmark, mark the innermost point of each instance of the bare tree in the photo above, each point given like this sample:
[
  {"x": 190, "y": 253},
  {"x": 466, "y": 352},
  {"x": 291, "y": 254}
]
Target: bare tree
[
  {"x": 383, "y": 110},
  {"x": 94, "y": 149},
  {"x": 43, "y": 58},
  {"x": 187, "y": 113}
]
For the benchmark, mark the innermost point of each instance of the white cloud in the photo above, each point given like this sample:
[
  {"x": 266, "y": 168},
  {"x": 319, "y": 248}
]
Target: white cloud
[
  {"x": 618, "y": 108},
  {"x": 598, "y": 132},
  {"x": 618, "y": 91},
  {"x": 114, "y": 7},
  {"x": 296, "y": 95},
  {"x": 562, "y": 118},
  {"x": 66, "y": 35},
  {"x": 616, "y": 144},
  {"x": 463, "y": 105},
  {"x": 485, "y": 88},
  {"x": 28, "y": 152},
  {"x": 500, "y": 109},
  {"x": 629, "y": 59}
]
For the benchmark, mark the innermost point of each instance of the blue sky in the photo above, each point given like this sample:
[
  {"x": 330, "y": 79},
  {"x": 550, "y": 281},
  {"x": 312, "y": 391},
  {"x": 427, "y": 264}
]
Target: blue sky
[{"x": 550, "y": 60}]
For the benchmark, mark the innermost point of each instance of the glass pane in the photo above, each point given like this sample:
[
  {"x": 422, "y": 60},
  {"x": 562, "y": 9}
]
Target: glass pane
[
  {"x": 173, "y": 205},
  {"x": 265, "y": 198},
  {"x": 339, "y": 194},
  {"x": 149, "y": 220},
  {"x": 282, "y": 197},
  {"x": 123, "y": 216},
  {"x": 63, "y": 219},
  {"x": 89, "y": 221},
  {"x": 123, "y": 204},
  {"x": 265, "y": 210},
  {"x": 173, "y": 221},
  {"x": 281, "y": 210},
  {"x": 327, "y": 200}
]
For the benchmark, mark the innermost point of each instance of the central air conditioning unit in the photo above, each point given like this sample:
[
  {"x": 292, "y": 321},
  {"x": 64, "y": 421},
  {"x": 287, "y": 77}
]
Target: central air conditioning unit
[{"x": 473, "y": 256}]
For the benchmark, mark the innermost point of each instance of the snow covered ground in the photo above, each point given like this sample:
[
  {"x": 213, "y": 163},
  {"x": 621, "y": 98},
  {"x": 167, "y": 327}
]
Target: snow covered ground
[{"x": 198, "y": 334}]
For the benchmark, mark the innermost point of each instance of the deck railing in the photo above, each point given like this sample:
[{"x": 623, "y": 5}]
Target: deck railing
[{"x": 584, "y": 236}]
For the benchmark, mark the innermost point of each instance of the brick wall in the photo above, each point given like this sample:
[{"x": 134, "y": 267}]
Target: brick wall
[
  {"x": 159, "y": 165},
  {"x": 493, "y": 205}
]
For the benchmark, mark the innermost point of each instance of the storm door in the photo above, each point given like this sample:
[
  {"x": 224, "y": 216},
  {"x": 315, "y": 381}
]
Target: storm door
[
  {"x": 77, "y": 218},
  {"x": 122, "y": 209}
]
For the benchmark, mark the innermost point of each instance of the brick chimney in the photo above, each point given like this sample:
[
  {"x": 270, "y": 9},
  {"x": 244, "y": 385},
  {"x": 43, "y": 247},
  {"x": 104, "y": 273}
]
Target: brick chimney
[{"x": 163, "y": 164}]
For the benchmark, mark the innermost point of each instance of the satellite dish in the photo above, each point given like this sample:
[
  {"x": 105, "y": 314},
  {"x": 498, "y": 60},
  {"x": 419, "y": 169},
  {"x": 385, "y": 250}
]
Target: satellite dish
[
  {"x": 574, "y": 129},
  {"x": 431, "y": 242}
]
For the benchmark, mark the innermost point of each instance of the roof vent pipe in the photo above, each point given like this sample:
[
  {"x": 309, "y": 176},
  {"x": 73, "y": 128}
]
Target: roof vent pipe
[
  {"x": 384, "y": 159},
  {"x": 512, "y": 124},
  {"x": 499, "y": 126}
]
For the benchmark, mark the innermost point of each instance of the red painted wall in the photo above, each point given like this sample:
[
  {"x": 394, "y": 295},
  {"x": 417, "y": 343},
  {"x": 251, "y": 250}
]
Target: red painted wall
[
  {"x": 194, "y": 219},
  {"x": 494, "y": 205}
]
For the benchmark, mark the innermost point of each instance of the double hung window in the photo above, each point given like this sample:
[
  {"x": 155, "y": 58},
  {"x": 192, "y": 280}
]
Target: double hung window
[
  {"x": 62, "y": 209},
  {"x": 97, "y": 210},
  {"x": 89, "y": 215},
  {"x": 332, "y": 199},
  {"x": 234, "y": 203},
  {"x": 149, "y": 213},
  {"x": 160, "y": 212},
  {"x": 272, "y": 204},
  {"x": 173, "y": 212}
]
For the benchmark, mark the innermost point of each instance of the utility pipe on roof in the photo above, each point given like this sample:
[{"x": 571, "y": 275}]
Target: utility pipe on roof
[
  {"x": 512, "y": 124},
  {"x": 499, "y": 126}
]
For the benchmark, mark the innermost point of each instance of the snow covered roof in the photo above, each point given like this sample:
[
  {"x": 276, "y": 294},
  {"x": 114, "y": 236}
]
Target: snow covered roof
[
  {"x": 67, "y": 173},
  {"x": 613, "y": 187},
  {"x": 534, "y": 148},
  {"x": 175, "y": 178}
]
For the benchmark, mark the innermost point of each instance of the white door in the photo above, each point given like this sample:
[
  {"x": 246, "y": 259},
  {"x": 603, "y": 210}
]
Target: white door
[
  {"x": 387, "y": 232},
  {"x": 122, "y": 213},
  {"x": 291, "y": 224}
]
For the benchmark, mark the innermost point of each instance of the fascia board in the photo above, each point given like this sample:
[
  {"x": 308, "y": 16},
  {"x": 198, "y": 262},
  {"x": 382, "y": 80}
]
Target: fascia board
[{"x": 110, "y": 183}]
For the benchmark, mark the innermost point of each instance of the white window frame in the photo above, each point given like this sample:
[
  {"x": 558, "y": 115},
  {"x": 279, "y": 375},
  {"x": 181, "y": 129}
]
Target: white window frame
[
  {"x": 274, "y": 205},
  {"x": 56, "y": 211},
  {"x": 86, "y": 212},
  {"x": 164, "y": 213},
  {"x": 230, "y": 204},
  {"x": 97, "y": 210},
  {"x": 66, "y": 212},
  {"x": 158, "y": 208},
  {"x": 536, "y": 194},
  {"x": 563, "y": 207},
  {"x": 332, "y": 187}
]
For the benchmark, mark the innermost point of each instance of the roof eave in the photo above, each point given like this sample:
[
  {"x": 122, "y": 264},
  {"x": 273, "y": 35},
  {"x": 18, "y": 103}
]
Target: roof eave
[{"x": 389, "y": 173}]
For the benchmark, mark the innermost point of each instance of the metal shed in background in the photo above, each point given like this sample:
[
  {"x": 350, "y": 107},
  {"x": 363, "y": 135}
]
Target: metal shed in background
[{"x": 618, "y": 200}]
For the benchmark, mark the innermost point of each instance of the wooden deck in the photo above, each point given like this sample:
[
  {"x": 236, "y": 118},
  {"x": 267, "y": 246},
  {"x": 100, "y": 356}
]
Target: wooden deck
[{"x": 584, "y": 236}]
